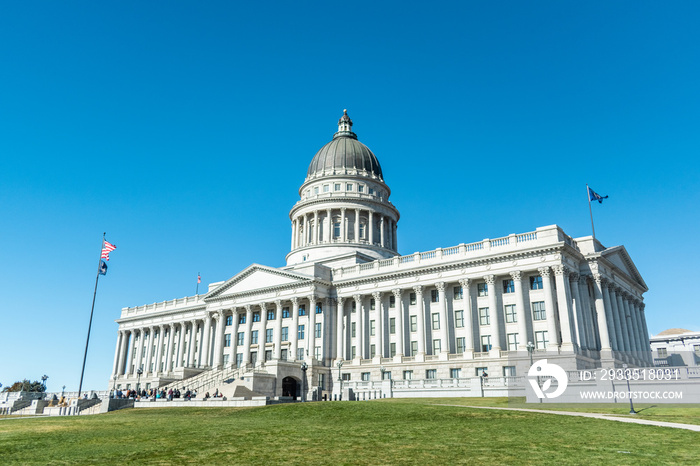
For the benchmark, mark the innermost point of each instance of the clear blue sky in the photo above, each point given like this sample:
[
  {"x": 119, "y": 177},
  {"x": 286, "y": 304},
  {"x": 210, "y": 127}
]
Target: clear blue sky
[{"x": 184, "y": 129}]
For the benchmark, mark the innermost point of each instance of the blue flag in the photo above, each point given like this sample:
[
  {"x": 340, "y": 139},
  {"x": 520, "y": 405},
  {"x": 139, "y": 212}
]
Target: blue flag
[
  {"x": 594, "y": 196},
  {"x": 103, "y": 267}
]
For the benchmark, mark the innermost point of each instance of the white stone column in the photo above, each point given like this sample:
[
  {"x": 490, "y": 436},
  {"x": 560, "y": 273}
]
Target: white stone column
[
  {"x": 277, "y": 353},
  {"x": 343, "y": 225},
  {"x": 552, "y": 332},
  {"x": 378, "y": 326},
  {"x": 613, "y": 327},
  {"x": 561, "y": 273},
  {"x": 381, "y": 231},
  {"x": 307, "y": 233},
  {"x": 389, "y": 236},
  {"x": 192, "y": 343},
  {"x": 421, "y": 322},
  {"x": 632, "y": 322},
  {"x": 139, "y": 351},
  {"x": 115, "y": 366},
  {"x": 578, "y": 309},
  {"x": 612, "y": 303},
  {"x": 123, "y": 352},
  {"x": 159, "y": 349},
  {"x": 370, "y": 221},
  {"x": 317, "y": 228},
  {"x": 468, "y": 318},
  {"x": 494, "y": 314},
  {"x": 603, "y": 319},
  {"x": 329, "y": 234},
  {"x": 589, "y": 319},
  {"x": 400, "y": 309},
  {"x": 205, "y": 350},
  {"x": 357, "y": 225},
  {"x": 626, "y": 322},
  {"x": 394, "y": 242},
  {"x": 647, "y": 349},
  {"x": 523, "y": 337},
  {"x": 442, "y": 309},
  {"x": 294, "y": 330},
  {"x": 294, "y": 231},
  {"x": 234, "y": 336},
  {"x": 360, "y": 354},
  {"x": 311, "y": 334},
  {"x": 149, "y": 348},
  {"x": 248, "y": 334},
  {"x": 169, "y": 349},
  {"x": 218, "y": 338},
  {"x": 262, "y": 339},
  {"x": 181, "y": 346},
  {"x": 339, "y": 354}
]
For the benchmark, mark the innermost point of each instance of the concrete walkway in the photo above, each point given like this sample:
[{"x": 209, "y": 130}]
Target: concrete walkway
[{"x": 631, "y": 420}]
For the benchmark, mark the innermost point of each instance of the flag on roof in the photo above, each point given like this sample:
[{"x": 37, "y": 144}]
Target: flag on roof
[{"x": 594, "y": 196}]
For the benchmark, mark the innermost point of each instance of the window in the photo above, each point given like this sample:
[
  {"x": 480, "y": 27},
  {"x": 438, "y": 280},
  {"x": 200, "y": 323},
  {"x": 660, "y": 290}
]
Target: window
[
  {"x": 696, "y": 348},
  {"x": 284, "y": 354},
  {"x": 457, "y": 292},
  {"x": 541, "y": 339},
  {"x": 229, "y": 320},
  {"x": 241, "y": 319},
  {"x": 326, "y": 188},
  {"x": 412, "y": 298},
  {"x": 431, "y": 374},
  {"x": 372, "y": 351},
  {"x": 392, "y": 325},
  {"x": 484, "y": 318},
  {"x": 392, "y": 350},
  {"x": 300, "y": 354},
  {"x": 414, "y": 348},
  {"x": 315, "y": 189},
  {"x": 227, "y": 340},
  {"x": 508, "y": 286},
  {"x": 336, "y": 187},
  {"x": 510, "y": 313},
  {"x": 414, "y": 323},
  {"x": 239, "y": 359},
  {"x": 285, "y": 313},
  {"x": 302, "y": 310},
  {"x": 371, "y": 304},
  {"x": 371, "y": 191},
  {"x": 317, "y": 332},
  {"x": 254, "y": 337},
  {"x": 240, "y": 338},
  {"x": 353, "y": 352},
  {"x": 348, "y": 187},
  {"x": 408, "y": 375},
  {"x": 362, "y": 230},
  {"x": 360, "y": 188},
  {"x": 346, "y": 377},
  {"x": 482, "y": 289},
  {"x": 300, "y": 335},
  {"x": 268, "y": 355},
  {"x": 436, "y": 321},
  {"x": 392, "y": 302},
  {"x": 508, "y": 371},
  {"x": 226, "y": 359},
  {"x": 270, "y": 314},
  {"x": 322, "y": 381},
  {"x": 386, "y": 375},
  {"x": 365, "y": 376},
  {"x": 436, "y": 346},
  {"x": 538, "y": 311},
  {"x": 319, "y": 308},
  {"x": 434, "y": 296},
  {"x": 268, "y": 335},
  {"x": 485, "y": 343},
  {"x": 336, "y": 229},
  {"x": 354, "y": 306},
  {"x": 285, "y": 333},
  {"x": 460, "y": 344},
  {"x": 317, "y": 352},
  {"x": 256, "y": 317},
  {"x": 371, "y": 328},
  {"x": 459, "y": 319},
  {"x": 662, "y": 352},
  {"x": 536, "y": 283},
  {"x": 353, "y": 328},
  {"x": 512, "y": 342},
  {"x": 482, "y": 371},
  {"x": 455, "y": 373}
]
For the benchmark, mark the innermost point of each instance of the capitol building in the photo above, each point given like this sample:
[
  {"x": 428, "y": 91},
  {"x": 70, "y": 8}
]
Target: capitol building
[{"x": 348, "y": 314}]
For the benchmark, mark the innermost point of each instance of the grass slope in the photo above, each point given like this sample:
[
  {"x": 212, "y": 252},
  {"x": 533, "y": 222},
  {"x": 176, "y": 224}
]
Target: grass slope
[{"x": 377, "y": 432}]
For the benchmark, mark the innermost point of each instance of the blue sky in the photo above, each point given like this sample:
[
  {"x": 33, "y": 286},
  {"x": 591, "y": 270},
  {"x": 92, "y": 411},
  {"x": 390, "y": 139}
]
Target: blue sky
[{"x": 184, "y": 131}]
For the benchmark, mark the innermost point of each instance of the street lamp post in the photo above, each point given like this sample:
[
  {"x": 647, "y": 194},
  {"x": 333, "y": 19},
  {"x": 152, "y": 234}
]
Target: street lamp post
[
  {"x": 531, "y": 349},
  {"x": 340, "y": 380},
  {"x": 304, "y": 367},
  {"x": 43, "y": 381},
  {"x": 138, "y": 381},
  {"x": 629, "y": 394}
]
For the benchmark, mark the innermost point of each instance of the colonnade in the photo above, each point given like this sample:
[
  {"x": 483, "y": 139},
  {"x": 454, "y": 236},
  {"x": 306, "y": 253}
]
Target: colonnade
[{"x": 344, "y": 225}]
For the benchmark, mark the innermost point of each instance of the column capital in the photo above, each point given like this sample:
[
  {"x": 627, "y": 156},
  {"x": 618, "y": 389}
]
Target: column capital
[
  {"x": 294, "y": 300},
  {"x": 544, "y": 271},
  {"x": 440, "y": 286},
  {"x": 397, "y": 293},
  {"x": 465, "y": 282},
  {"x": 560, "y": 269},
  {"x": 377, "y": 295},
  {"x": 574, "y": 276},
  {"x": 418, "y": 289},
  {"x": 312, "y": 298},
  {"x": 343, "y": 209},
  {"x": 490, "y": 279},
  {"x": 340, "y": 300},
  {"x": 248, "y": 308},
  {"x": 263, "y": 307},
  {"x": 516, "y": 275},
  {"x": 357, "y": 298},
  {"x": 278, "y": 303}
]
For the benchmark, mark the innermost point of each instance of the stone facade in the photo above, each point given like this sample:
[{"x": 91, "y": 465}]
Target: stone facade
[{"x": 348, "y": 306}]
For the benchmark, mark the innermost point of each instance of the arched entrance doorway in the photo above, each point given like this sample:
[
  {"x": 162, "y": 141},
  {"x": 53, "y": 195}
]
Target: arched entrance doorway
[{"x": 290, "y": 387}]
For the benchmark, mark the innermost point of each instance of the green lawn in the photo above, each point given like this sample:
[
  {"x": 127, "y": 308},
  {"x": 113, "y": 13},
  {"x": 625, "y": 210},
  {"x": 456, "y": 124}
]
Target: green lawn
[{"x": 375, "y": 432}]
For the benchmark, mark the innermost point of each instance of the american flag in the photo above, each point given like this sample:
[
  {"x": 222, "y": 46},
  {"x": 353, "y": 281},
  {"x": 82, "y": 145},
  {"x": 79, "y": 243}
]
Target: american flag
[
  {"x": 199, "y": 279},
  {"x": 107, "y": 247}
]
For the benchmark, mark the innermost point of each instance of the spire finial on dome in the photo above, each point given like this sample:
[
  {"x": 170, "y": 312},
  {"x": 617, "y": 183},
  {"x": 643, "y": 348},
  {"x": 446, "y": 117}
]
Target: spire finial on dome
[{"x": 345, "y": 123}]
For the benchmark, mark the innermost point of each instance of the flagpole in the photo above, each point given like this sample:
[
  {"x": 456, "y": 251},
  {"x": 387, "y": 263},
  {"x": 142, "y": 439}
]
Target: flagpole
[
  {"x": 197, "y": 292},
  {"x": 588, "y": 195},
  {"x": 94, "y": 294}
]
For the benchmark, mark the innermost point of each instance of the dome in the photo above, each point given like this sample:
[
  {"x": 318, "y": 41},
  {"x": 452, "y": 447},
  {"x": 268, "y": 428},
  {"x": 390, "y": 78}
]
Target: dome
[{"x": 345, "y": 155}]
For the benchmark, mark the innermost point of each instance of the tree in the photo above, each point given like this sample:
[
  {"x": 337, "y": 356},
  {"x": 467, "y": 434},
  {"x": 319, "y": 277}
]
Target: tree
[{"x": 26, "y": 386}]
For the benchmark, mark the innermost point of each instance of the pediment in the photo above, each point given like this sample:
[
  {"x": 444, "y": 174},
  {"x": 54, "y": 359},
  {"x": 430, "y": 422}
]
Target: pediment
[
  {"x": 258, "y": 277},
  {"x": 619, "y": 257}
]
